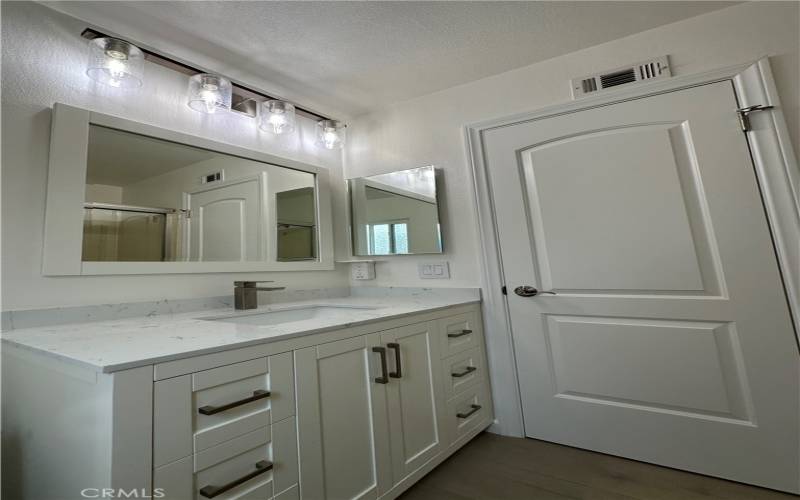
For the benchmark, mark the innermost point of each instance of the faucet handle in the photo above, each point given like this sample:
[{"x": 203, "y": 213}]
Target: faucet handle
[{"x": 249, "y": 284}]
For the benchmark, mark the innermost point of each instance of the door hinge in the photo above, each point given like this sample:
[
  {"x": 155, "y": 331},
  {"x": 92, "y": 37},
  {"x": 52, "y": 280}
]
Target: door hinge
[
  {"x": 744, "y": 115},
  {"x": 504, "y": 290}
]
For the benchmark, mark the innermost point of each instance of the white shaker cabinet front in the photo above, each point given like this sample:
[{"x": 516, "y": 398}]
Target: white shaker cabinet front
[
  {"x": 413, "y": 391},
  {"x": 342, "y": 419},
  {"x": 370, "y": 411}
]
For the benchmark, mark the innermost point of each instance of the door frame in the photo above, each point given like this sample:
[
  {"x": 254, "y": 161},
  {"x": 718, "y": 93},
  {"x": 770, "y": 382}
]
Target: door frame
[{"x": 777, "y": 175}]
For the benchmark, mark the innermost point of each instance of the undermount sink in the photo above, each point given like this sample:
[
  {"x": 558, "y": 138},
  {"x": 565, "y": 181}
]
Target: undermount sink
[{"x": 276, "y": 317}]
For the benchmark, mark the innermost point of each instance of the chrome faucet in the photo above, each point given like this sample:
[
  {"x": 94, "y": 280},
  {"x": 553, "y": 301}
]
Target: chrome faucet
[{"x": 245, "y": 293}]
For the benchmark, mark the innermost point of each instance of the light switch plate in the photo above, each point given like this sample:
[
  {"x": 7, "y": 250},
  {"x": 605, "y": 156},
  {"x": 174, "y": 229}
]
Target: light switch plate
[
  {"x": 362, "y": 270},
  {"x": 434, "y": 270}
]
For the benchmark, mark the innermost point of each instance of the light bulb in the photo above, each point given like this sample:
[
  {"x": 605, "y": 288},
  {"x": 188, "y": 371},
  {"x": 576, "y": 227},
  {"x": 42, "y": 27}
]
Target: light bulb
[
  {"x": 115, "y": 62},
  {"x": 208, "y": 93},
  {"x": 277, "y": 119},
  {"x": 330, "y": 134},
  {"x": 329, "y": 138},
  {"x": 276, "y": 116},
  {"x": 116, "y": 69}
]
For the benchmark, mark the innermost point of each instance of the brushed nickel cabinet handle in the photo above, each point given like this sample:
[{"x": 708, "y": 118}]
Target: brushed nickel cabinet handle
[
  {"x": 398, "y": 373},
  {"x": 211, "y": 410},
  {"x": 466, "y": 371},
  {"x": 459, "y": 334},
  {"x": 384, "y": 378},
  {"x": 468, "y": 414},
  {"x": 212, "y": 491}
]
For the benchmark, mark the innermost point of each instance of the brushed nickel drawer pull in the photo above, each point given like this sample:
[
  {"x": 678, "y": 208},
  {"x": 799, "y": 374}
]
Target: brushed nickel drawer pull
[
  {"x": 459, "y": 334},
  {"x": 211, "y": 410},
  {"x": 469, "y": 413},
  {"x": 212, "y": 491},
  {"x": 466, "y": 371}
]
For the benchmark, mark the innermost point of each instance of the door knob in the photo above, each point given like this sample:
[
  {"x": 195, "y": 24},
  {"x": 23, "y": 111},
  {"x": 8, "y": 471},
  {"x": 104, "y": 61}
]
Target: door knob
[{"x": 529, "y": 291}]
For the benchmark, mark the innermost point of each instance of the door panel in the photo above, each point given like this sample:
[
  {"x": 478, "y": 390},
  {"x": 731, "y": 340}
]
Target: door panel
[
  {"x": 412, "y": 396},
  {"x": 669, "y": 339},
  {"x": 689, "y": 367},
  {"x": 228, "y": 221},
  {"x": 342, "y": 422},
  {"x": 581, "y": 217}
]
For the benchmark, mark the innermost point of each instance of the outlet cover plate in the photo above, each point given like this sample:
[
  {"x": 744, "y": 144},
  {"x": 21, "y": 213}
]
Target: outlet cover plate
[
  {"x": 434, "y": 270},
  {"x": 362, "y": 270}
]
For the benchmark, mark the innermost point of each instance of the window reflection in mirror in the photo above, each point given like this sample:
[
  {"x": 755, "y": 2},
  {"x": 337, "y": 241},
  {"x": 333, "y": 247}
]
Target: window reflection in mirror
[
  {"x": 395, "y": 213},
  {"x": 150, "y": 200}
]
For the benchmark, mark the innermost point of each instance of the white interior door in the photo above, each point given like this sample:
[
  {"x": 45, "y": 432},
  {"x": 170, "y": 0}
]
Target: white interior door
[
  {"x": 228, "y": 221},
  {"x": 669, "y": 339}
]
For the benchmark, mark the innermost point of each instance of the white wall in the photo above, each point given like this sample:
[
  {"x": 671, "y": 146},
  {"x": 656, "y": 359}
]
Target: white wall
[
  {"x": 429, "y": 130},
  {"x": 43, "y": 60}
]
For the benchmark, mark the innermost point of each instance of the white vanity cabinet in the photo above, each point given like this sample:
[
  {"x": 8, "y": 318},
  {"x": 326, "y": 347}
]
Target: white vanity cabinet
[{"x": 357, "y": 412}]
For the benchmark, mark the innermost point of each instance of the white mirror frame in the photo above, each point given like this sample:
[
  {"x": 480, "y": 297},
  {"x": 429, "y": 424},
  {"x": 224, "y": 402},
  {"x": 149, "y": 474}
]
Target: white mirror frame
[{"x": 66, "y": 189}]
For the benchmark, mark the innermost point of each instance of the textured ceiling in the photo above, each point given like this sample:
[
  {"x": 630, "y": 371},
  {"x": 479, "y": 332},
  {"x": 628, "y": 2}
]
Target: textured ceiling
[{"x": 350, "y": 57}]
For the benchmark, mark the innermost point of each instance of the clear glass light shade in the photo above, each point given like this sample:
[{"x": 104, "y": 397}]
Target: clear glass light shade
[
  {"x": 330, "y": 134},
  {"x": 209, "y": 93},
  {"x": 115, "y": 62},
  {"x": 277, "y": 117}
]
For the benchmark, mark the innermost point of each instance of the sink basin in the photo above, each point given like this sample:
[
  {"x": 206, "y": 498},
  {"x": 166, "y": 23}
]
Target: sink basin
[{"x": 276, "y": 317}]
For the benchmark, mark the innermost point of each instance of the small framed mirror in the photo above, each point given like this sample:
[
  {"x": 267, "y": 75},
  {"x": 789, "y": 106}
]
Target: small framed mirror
[
  {"x": 395, "y": 213},
  {"x": 129, "y": 198}
]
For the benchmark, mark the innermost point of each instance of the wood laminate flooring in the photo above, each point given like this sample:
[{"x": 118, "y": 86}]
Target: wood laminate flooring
[{"x": 497, "y": 467}]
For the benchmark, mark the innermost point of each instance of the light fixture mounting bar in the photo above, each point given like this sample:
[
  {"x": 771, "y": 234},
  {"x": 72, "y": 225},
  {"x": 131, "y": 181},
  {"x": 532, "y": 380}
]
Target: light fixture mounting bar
[{"x": 244, "y": 98}]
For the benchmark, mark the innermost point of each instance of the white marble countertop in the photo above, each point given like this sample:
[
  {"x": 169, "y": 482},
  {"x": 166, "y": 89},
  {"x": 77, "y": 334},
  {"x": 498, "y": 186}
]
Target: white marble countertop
[{"x": 109, "y": 346}]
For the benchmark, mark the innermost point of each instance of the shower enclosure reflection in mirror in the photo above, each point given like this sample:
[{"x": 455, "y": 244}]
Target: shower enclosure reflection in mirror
[{"x": 129, "y": 198}]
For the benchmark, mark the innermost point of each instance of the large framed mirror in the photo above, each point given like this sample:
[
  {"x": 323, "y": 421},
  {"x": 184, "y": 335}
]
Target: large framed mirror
[
  {"x": 129, "y": 198},
  {"x": 395, "y": 213}
]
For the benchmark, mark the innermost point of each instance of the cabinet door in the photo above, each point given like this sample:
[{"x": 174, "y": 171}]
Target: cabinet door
[
  {"x": 342, "y": 422},
  {"x": 414, "y": 396}
]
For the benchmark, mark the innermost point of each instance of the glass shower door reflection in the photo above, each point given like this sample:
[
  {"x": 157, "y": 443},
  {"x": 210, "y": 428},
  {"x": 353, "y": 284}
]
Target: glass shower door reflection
[{"x": 119, "y": 235}]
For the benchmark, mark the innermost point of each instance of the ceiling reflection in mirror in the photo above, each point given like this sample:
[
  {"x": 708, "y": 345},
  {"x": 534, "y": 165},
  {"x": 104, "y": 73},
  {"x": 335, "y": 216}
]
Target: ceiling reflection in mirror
[
  {"x": 395, "y": 213},
  {"x": 151, "y": 200}
]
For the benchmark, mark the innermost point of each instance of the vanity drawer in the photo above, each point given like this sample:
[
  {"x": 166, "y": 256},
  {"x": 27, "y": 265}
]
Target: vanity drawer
[
  {"x": 459, "y": 333},
  {"x": 467, "y": 411},
  {"x": 198, "y": 411},
  {"x": 462, "y": 371},
  {"x": 252, "y": 466}
]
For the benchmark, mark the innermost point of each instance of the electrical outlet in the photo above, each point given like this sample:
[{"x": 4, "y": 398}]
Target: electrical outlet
[
  {"x": 434, "y": 270},
  {"x": 362, "y": 270}
]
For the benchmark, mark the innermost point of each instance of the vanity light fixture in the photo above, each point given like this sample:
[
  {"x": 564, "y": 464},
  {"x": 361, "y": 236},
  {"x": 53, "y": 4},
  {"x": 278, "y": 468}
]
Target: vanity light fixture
[
  {"x": 115, "y": 62},
  {"x": 121, "y": 64},
  {"x": 209, "y": 93},
  {"x": 330, "y": 134},
  {"x": 276, "y": 116}
]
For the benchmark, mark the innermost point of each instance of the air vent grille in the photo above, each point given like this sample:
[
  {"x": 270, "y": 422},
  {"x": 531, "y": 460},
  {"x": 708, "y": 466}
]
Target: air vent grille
[
  {"x": 618, "y": 78},
  {"x": 646, "y": 70},
  {"x": 213, "y": 177}
]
